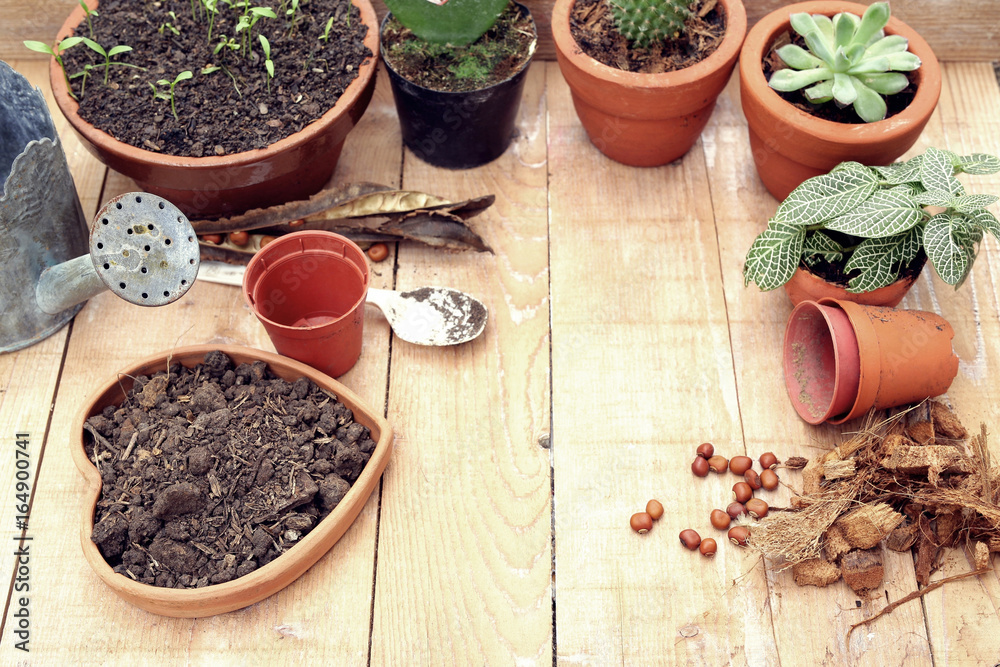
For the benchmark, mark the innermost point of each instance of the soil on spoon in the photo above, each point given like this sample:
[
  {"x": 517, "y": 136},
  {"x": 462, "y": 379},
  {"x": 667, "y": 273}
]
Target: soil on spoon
[
  {"x": 214, "y": 471},
  {"x": 234, "y": 108}
]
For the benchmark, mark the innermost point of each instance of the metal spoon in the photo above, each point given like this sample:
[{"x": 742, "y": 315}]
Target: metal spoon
[{"x": 423, "y": 316}]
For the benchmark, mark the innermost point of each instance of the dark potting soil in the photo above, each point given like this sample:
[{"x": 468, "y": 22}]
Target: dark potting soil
[
  {"x": 499, "y": 54},
  {"x": 833, "y": 272},
  {"x": 214, "y": 471},
  {"x": 231, "y": 109},
  {"x": 592, "y": 27},
  {"x": 831, "y": 110}
]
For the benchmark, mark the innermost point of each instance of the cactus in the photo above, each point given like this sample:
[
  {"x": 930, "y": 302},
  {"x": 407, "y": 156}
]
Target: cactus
[{"x": 644, "y": 22}]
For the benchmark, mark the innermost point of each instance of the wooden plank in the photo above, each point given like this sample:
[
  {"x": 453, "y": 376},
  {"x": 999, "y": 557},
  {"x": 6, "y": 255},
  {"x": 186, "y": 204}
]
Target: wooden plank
[
  {"x": 464, "y": 558},
  {"x": 642, "y": 373},
  {"x": 324, "y": 616}
]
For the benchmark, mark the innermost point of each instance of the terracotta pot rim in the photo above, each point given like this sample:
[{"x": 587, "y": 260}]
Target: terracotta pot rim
[
  {"x": 267, "y": 580},
  {"x": 762, "y": 35},
  {"x": 449, "y": 93},
  {"x": 729, "y": 48},
  {"x": 804, "y": 281},
  {"x": 122, "y": 150}
]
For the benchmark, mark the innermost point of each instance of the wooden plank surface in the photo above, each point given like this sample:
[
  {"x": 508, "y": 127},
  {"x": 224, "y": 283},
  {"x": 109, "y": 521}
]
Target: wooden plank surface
[{"x": 955, "y": 29}]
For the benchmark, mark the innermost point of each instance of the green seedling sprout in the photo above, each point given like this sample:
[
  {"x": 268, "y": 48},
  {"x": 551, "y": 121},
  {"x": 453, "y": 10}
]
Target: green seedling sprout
[
  {"x": 210, "y": 69},
  {"x": 183, "y": 76},
  {"x": 88, "y": 12},
  {"x": 292, "y": 13},
  {"x": 326, "y": 31},
  {"x": 60, "y": 48},
  {"x": 226, "y": 43},
  {"x": 167, "y": 25},
  {"x": 268, "y": 63},
  {"x": 249, "y": 20},
  {"x": 83, "y": 75},
  {"x": 211, "y": 11},
  {"x": 108, "y": 55}
]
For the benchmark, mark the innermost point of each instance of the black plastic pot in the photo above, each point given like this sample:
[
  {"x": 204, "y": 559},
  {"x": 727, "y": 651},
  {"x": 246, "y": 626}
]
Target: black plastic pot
[{"x": 457, "y": 130}]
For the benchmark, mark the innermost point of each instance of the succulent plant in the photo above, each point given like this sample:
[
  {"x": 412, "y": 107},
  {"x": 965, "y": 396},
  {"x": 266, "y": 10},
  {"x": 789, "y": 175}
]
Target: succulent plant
[
  {"x": 644, "y": 22},
  {"x": 876, "y": 220},
  {"x": 849, "y": 59}
]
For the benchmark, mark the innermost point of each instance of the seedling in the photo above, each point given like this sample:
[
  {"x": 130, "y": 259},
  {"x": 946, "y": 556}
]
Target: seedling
[
  {"x": 292, "y": 12},
  {"x": 211, "y": 11},
  {"x": 268, "y": 63},
  {"x": 108, "y": 55},
  {"x": 249, "y": 20},
  {"x": 88, "y": 12},
  {"x": 226, "y": 43},
  {"x": 210, "y": 69},
  {"x": 83, "y": 75},
  {"x": 183, "y": 76},
  {"x": 168, "y": 26},
  {"x": 61, "y": 47},
  {"x": 326, "y": 31}
]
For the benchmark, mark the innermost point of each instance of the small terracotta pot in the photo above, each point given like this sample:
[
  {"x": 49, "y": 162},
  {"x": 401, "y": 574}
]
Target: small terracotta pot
[
  {"x": 790, "y": 145},
  {"x": 645, "y": 120},
  {"x": 842, "y": 359},
  {"x": 308, "y": 289},
  {"x": 271, "y": 578},
  {"x": 807, "y": 286},
  {"x": 208, "y": 187}
]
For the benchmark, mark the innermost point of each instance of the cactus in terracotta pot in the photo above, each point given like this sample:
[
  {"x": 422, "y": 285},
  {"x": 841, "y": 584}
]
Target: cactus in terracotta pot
[{"x": 645, "y": 22}]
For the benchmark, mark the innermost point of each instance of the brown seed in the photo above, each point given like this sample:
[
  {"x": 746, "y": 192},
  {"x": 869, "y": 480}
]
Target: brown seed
[
  {"x": 239, "y": 238},
  {"x": 757, "y": 508},
  {"x": 706, "y": 450},
  {"x": 700, "y": 466},
  {"x": 296, "y": 223},
  {"x": 264, "y": 240},
  {"x": 707, "y": 547},
  {"x": 211, "y": 238},
  {"x": 752, "y": 478},
  {"x": 769, "y": 479},
  {"x": 720, "y": 520},
  {"x": 768, "y": 460},
  {"x": 641, "y": 522},
  {"x": 690, "y": 539},
  {"x": 378, "y": 252},
  {"x": 735, "y": 509},
  {"x": 738, "y": 535},
  {"x": 654, "y": 509},
  {"x": 742, "y": 492},
  {"x": 740, "y": 464},
  {"x": 718, "y": 464}
]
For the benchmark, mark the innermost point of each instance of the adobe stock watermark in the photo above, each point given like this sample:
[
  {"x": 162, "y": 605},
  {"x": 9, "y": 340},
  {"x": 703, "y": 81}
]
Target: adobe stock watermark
[{"x": 20, "y": 612}]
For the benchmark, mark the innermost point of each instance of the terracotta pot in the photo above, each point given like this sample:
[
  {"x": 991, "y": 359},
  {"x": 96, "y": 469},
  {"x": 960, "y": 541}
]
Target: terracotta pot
[
  {"x": 271, "y": 578},
  {"x": 208, "y": 187},
  {"x": 645, "y": 120},
  {"x": 842, "y": 359},
  {"x": 807, "y": 286},
  {"x": 790, "y": 145},
  {"x": 308, "y": 289},
  {"x": 457, "y": 130}
]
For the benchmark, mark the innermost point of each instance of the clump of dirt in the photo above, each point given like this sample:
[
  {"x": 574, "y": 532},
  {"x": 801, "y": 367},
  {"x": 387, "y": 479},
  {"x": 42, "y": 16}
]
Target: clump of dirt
[
  {"x": 593, "y": 28},
  {"x": 213, "y": 471}
]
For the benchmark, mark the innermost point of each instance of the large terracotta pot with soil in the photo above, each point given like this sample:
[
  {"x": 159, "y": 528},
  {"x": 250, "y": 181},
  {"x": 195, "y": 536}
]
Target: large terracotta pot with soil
[
  {"x": 212, "y": 186},
  {"x": 842, "y": 359},
  {"x": 790, "y": 145},
  {"x": 211, "y": 470},
  {"x": 808, "y": 286},
  {"x": 645, "y": 120}
]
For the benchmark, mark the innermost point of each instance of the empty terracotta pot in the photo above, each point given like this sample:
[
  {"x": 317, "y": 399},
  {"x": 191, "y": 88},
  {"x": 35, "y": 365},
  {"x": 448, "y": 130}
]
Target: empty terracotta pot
[
  {"x": 208, "y": 187},
  {"x": 841, "y": 358},
  {"x": 271, "y": 578},
  {"x": 645, "y": 120},
  {"x": 790, "y": 145}
]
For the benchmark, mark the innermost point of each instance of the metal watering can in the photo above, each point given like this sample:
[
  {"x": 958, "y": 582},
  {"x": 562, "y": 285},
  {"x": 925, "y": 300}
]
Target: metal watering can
[{"x": 141, "y": 247}]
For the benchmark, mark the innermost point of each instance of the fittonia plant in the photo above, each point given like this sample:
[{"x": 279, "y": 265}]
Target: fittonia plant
[
  {"x": 646, "y": 22},
  {"x": 849, "y": 59},
  {"x": 881, "y": 218}
]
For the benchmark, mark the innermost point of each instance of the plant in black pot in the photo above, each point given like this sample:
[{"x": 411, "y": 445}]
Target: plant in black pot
[{"x": 457, "y": 71}]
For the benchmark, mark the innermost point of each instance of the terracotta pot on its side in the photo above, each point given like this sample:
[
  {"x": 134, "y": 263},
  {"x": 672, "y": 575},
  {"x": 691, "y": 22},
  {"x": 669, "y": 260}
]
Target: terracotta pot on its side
[
  {"x": 841, "y": 359},
  {"x": 790, "y": 145},
  {"x": 807, "y": 286},
  {"x": 645, "y": 120},
  {"x": 208, "y": 187}
]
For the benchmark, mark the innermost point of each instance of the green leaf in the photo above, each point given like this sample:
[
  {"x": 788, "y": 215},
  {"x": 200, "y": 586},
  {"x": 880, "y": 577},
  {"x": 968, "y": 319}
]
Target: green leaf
[
  {"x": 115, "y": 50},
  {"x": 933, "y": 198},
  {"x": 903, "y": 62},
  {"x": 869, "y": 105},
  {"x": 844, "y": 25},
  {"x": 819, "y": 243},
  {"x": 94, "y": 46},
  {"x": 887, "y": 45},
  {"x": 787, "y": 80},
  {"x": 266, "y": 46},
  {"x": 825, "y": 26},
  {"x": 902, "y": 172},
  {"x": 774, "y": 255},
  {"x": 458, "y": 22},
  {"x": 979, "y": 164},
  {"x": 69, "y": 43},
  {"x": 798, "y": 58},
  {"x": 887, "y": 83},
  {"x": 970, "y": 203},
  {"x": 821, "y": 92},
  {"x": 183, "y": 76},
  {"x": 843, "y": 89},
  {"x": 951, "y": 260},
  {"x": 985, "y": 220},
  {"x": 872, "y": 22},
  {"x": 871, "y": 66},
  {"x": 803, "y": 23},
  {"x": 40, "y": 47},
  {"x": 881, "y": 260},
  {"x": 887, "y": 213},
  {"x": 936, "y": 171},
  {"x": 823, "y": 197},
  {"x": 820, "y": 46}
]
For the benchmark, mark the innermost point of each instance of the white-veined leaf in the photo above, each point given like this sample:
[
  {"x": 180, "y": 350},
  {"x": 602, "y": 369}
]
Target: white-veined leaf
[
  {"x": 881, "y": 260},
  {"x": 933, "y": 198},
  {"x": 826, "y": 196},
  {"x": 818, "y": 243},
  {"x": 887, "y": 213},
  {"x": 950, "y": 258},
  {"x": 979, "y": 164},
  {"x": 911, "y": 189},
  {"x": 969, "y": 203},
  {"x": 937, "y": 171},
  {"x": 774, "y": 255},
  {"x": 986, "y": 220},
  {"x": 902, "y": 172}
]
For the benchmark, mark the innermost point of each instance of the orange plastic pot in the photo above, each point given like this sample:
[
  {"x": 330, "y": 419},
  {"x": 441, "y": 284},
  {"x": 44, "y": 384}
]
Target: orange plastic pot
[
  {"x": 271, "y": 578},
  {"x": 645, "y": 120},
  {"x": 807, "y": 286},
  {"x": 308, "y": 289},
  {"x": 842, "y": 359},
  {"x": 208, "y": 187},
  {"x": 790, "y": 145}
]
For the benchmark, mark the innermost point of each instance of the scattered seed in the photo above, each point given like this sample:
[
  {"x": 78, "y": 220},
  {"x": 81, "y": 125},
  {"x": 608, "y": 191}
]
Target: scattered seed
[
  {"x": 742, "y": 492},
  {"x": 740, "y": 464},
  {"x": 239, "y": 238},
  {"x": 718, "y": 464},
  {"x": 768, "y": 460},
  {"x": 706, "y": 450},
  {"x": 654, "y": 509},
  {"x": 641, "y": 522},
  {"x": 707, "y": 547},
  {"x": 690, "y": 539},
  {"x": 769, "y": 479},
  {"x": 720, "y": 520},
  {"x": 739, "y": 535},
  {"x": 700, "y": 466},
  {"x": 736, "y": 509},
  {"x": 211, "y": 238},
  {"x": 752, "y": 478},
  {"x": 757, "y": 508},
  {"x": 378, "y": 252},
  {"x": 264, "y": 240}
]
